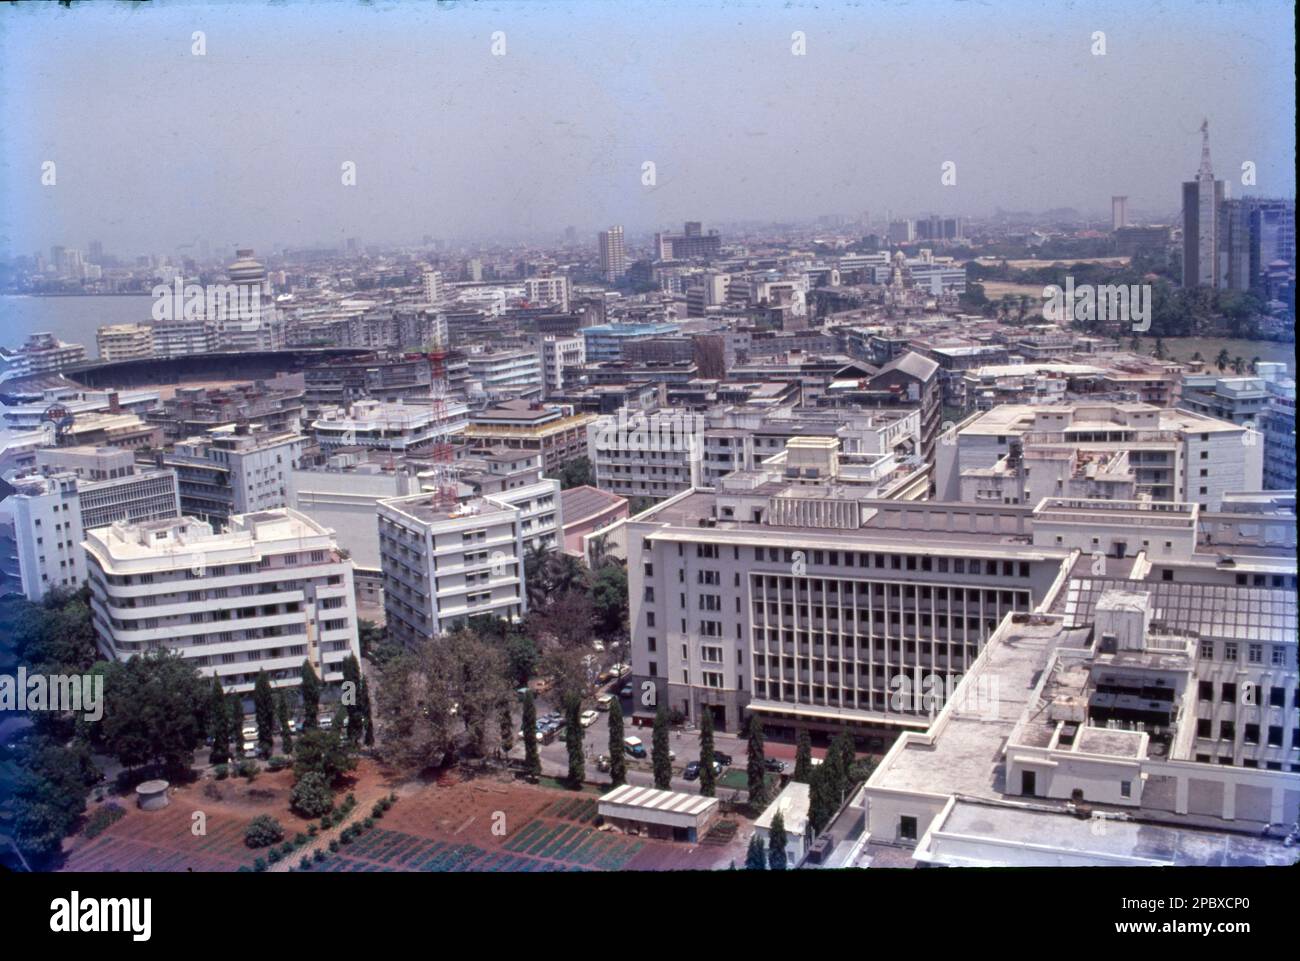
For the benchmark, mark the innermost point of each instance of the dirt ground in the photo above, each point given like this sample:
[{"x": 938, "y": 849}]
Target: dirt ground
[{"x": 456, "y": 823}]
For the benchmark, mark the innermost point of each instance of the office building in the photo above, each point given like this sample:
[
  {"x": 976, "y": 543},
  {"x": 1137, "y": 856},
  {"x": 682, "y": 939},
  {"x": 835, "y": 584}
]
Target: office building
[{"x": 613, "y": 257}]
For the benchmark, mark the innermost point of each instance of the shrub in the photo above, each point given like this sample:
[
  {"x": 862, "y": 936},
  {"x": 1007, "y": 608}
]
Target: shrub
[
  {"x": 248, "y": 768},
  {"x": 99, "y": 822},
  {"x": 263, "y": 831},
  {"x": 377, "y": 811},
  {"x": 273, "y": 855},
  {"x": 299, "y": 839},
  {"x": 305, "y": 863},
  {"x": 286, "y": 848},
  {"x": 368, "y": 823},
  {"x": 244, "y": 867},
  {"x": 260, "y": 864},
  {"x": 334, "y": 844},
  {"x": 320, "y": 855},
  {"x": 312, "y": 829},
  {"x": 392, "y": 798},
  {"x": 311, "y": 796},
  {"x": 221, "y": 772},
  {"x": 278, "y": 763}
]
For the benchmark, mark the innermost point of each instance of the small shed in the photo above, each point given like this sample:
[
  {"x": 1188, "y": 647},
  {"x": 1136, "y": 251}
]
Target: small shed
[
  {"x": 152, "y": 795},
  {"x": 668, "y": 815}
]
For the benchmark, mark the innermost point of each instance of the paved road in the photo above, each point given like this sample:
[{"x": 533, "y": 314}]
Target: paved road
[{"x": 684, "y": 742}]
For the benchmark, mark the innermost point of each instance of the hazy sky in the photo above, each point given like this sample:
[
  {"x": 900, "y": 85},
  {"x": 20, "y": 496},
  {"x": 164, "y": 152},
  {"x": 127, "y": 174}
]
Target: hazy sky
[{"x": 156, "y": 147}]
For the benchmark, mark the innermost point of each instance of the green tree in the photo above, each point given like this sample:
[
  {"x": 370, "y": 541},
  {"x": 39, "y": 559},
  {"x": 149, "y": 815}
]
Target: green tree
[
  {"x": 235, "y": 721},
  {"x": 154, "y": 707},
  {"x": 284, "y": 715},
  {"x": 776, "y": 841},
  {"x": 823, "y": 800},
  {"x": 521, "y": 656},
  {"x": 352, "y": 699},
  {"x": 609, "y": 598},
  {"x": 311, "y": 796},
  {"x": 707, "y": 778},
  {"x": 506, "y": 723},
  {"x": 803, "y": 758},
  {"x": 51, "y": 781},
  {"x": 218, "y": 725},
  {"x": 367, "y": 717},
  {"x": 532, "y": 761},
  {"x": 309, "y": 692},
  {"x": 756, "y": 856},
  {"x": 370, "y": 635},
  {"x": 325, "y": 753},
  {"x": 617, "y": 761},
  {"x": 663, "y": 765},
  {"x": 1222, "y": 359},
  {"x": 264, "y": 711},
  {"x": 573, "y": 741},
  {"x": 756, "y": 766}
]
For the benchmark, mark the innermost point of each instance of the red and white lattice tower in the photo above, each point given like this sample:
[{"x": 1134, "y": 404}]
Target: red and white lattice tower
[{"x": 445, "y": 473}]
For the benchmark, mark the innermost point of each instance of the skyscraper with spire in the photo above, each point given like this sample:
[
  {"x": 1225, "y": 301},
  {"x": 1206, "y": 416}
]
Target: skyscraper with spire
[{"x": 1202, "y": 209}]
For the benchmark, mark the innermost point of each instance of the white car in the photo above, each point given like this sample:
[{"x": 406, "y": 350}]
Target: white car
[
  {"x": 598, "y": 647},
  {"x": 587, "y": 718}
]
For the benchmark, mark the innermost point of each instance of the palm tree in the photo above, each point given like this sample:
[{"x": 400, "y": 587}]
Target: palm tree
[
  {"x": 1254, "y": 364},
  {"x": 1222, "y": 360},
  {"x": 1238, "y": 365}
]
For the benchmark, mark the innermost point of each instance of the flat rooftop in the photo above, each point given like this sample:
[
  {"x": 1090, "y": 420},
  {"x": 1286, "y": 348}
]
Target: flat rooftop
[
  {"x": 964, "y": 757},
  {"x": 1122, "y": 840}
]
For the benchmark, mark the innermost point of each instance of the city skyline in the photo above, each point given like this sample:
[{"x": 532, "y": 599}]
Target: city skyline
[{"x": 746, "y": 113}]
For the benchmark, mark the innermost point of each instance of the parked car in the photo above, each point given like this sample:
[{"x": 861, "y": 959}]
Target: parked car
[
  {"x": 519, "y": 736},
  {"x": 598, "y": 647},
  {"x": 625, "y": 690},
  {"x": 775, "y": 765},
  {"x": 604, "y": 701},
  {"x": 634, "y": 747},
  {"x": 587, "y": 718},
  {"x": 692, "y": 771},
  {"x": 602, "y": 763},
  {"x": 722, "y": 758}
]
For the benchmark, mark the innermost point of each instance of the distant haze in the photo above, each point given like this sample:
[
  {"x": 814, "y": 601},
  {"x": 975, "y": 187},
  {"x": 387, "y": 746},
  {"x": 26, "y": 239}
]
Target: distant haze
[{"x": 156, "y": 148}]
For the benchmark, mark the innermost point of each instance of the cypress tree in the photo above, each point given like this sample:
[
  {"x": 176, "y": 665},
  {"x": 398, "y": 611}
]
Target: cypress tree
[
  {"x": 532, "y": 762},
  {"x": 264, "y": 710},
  {"x": 356, "y": 718},
  {"x": 235, "y": 715},
  {"x": 367, "y": 718},
  {"x": 803, "y": 759},
  {"x": 756, "y": 856},
  {"x": 617, "y": 762},
  {"x": 310, "y": 694},
  {"x": 755, "y": 769},
  {"x": 707, "y": 779},
  {"x": 663, "y": 765},
  {"x": 506, "y": 724},
  {"x": 218, "y": 725},
  {"x": 776, "y": 840},
  {"x": 283, "y": 714},
  {"x": 573, "y": 740}
]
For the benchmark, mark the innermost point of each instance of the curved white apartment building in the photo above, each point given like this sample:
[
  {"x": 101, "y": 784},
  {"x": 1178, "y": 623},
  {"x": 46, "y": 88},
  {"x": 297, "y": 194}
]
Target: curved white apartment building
[{"x": 269, "y": 592}]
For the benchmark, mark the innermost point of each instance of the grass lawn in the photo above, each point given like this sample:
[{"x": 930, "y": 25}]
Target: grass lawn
[{"x": 737, "y": 779}]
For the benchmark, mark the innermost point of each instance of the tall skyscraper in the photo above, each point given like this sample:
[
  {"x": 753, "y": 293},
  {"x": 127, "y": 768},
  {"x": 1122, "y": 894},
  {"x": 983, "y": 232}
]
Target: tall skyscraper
[
  {"x": 1118, "y": 212},
  {"x": 1202, "y": 202},
  {"x": 613, "y": 258}
]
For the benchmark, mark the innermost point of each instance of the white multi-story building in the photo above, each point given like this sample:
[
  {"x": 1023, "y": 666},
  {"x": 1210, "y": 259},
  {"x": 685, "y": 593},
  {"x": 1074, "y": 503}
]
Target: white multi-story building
[
  {"x": 388, "y": 426},
  {"x": 1174, "y": 454},
  {"x": 72, "y": 490},
  {"x": 125, "y": 342},
  {"x": 234, "y": 470},
  {"x": 548, "y": 290},
  {"x": 432, "y": 283},
  {"x": 613, "y": 256},
  {"x": 514, "y": 477},
  {"x": 557, "y": 354},
  {"x": 652, "y": 455},
  {"x": 267, "y": 594},
  {"x": 507, "y": 374},
  {"x": 445, "y": 563}
]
